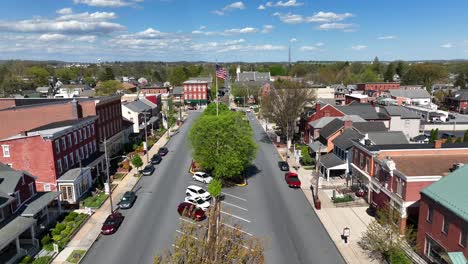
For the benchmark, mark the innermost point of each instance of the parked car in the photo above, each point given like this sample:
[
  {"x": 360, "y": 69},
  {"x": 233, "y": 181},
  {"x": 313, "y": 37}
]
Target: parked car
[
  {"x": 447, "y": 135},
  {"x": 191, "y": 211},
  {"x": 112, "y": 223},
  {"x": 196, "y": 191},
  {"x": 148, "y": 170},
  {"x": 156, "y": 159},
  {"x": 198, "y": 201},
  {"x": 202, "y": 177},
  {"x": 163, "y": 151},
  {"x": 192, "y": 108},
  {"x": 127, "y": 200},
  {"x": 292, "y": 180},
  {"x": 283, "y": 165}
]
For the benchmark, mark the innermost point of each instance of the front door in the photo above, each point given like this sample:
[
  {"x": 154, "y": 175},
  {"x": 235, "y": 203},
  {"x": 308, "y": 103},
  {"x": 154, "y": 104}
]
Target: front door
[{"x": 67, "y": 193}]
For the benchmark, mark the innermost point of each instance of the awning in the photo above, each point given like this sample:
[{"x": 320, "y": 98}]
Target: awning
[
  {"x": 332, "y": 162},
  {"x": 41, "y": 201},
  {"x": 14, "y": 229},
  {"x": 316, "y": 146},
  {"x": 195, "y": 101}
]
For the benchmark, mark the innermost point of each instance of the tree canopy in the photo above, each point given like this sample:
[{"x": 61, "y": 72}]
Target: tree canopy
[
  {"x": 222, "y": 144},
  {"x": 426, "y": 74},
  {"x": 108, "y": 87},
  {"x": 107, "y": 74}
]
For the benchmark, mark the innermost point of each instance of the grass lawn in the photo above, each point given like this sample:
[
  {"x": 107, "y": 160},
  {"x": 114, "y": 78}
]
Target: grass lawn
[
  {"x": 119, "y": 176},
  {"x": 76, "y": 255},
  {"x": 95, "y": 201}
]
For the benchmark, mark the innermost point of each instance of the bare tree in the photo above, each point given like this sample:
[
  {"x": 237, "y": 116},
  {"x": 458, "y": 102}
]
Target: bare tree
[{"x": 284, "y": 104}]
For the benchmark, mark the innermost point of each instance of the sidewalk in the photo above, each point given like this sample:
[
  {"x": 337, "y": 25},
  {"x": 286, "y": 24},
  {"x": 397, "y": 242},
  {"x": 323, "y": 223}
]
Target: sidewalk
[
  {"x": 336, "y": 219},
  {"x": 85, "y": 237}
]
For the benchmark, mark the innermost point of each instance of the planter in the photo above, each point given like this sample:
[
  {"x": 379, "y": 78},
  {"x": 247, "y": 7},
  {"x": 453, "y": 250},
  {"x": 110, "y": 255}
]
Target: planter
[{"x": 317, "y": 204}]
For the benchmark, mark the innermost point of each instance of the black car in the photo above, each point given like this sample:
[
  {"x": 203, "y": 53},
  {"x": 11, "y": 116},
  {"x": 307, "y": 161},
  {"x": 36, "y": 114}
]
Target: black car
[
  {"x": 127, "y": 200},
  {"x": 156, "y": 159},
  {"x": 283, "y": 165},
  {"x": 163, "y": 151},
  {"x": 148, "y": 170}
]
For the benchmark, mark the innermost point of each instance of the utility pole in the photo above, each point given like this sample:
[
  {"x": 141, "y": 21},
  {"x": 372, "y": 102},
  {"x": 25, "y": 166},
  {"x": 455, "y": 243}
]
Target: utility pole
[
  {"x": 146, "y": 138},
  {"x": 108, "y": 176},
  {"x": 317, "y": 164}
]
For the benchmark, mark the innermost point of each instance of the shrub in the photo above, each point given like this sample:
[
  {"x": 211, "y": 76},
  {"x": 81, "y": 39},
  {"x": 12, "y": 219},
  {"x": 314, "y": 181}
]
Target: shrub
[
  {"x": 344, "y": 199},
  {"x": 397, "y": 256},
  {"x": 74, "y": 214},
  {"x": 45, "y": 240},
  {"x": 65, "y": 232},
  {"x": 60, "y": 227},
  {"x": 55, "y": 232},
  {"x": 25, "y": 260},
  {"x": 43, "y": 260},
  {"x": 306, "y": 158},
  {"x": 135, "y": 147},
  {"x": 57, "y": 238}
]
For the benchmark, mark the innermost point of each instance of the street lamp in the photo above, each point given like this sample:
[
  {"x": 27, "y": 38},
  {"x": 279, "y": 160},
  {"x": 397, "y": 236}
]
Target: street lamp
[{"x": 107, "y": 172}]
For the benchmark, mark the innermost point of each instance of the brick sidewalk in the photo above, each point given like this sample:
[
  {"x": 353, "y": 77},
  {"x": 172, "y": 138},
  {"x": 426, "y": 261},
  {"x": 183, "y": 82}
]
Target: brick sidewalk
[{"x": 89, "y": 232}]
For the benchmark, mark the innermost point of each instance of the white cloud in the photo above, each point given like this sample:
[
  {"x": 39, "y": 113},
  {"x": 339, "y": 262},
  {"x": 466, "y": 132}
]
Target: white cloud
[
  {"x": 269, "y": 4},
  {"x": 289, "y": 18},
  {"x": 332, "y": 26},
  {"x": 288, "y": 3},
  {"x": 447, "y": 45},
  {"x": 234, "y": 42},
  {"x": 233, "y": 6},
  {"x": 319, "y": 44},
  {"x": 261, "y": 7},
  {"x": 52, "y": 37},
  {"x": 322, "y": 17},
  {"x": 89, "y": 39},
  {"x": 359, "y": 47},
  {"x": 387, "y": 37},
  {"x": 245, "y": 30},
  {"x": 308, "y": 48},
  {"x": 96, "y": 16},
  {"x": 107, "y": 3},
  {"x": 267, "y": 29},
  {"x": 228, "y": 32},
  {"x": 293, "y": 40},
  {"x": 65, "y": 11}
]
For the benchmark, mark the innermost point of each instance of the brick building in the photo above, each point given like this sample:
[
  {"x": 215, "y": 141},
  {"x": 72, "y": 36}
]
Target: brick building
[
  {"x": 154, "y": 90},
  {"x": 51, "y": 150},
  {"x": 443, "y": 218},
  {"x": 377, "y": 86},
  {"x": 458, "y": 102},
  {"x": 196, "y": 92}
]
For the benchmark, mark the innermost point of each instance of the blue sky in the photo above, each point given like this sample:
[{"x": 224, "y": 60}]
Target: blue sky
[{"x": 253, "y": 31}]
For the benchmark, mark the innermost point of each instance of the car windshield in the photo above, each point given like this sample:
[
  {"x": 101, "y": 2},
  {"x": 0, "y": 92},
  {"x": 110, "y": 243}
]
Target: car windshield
[
  {"x": 109, "y": 222},
  {"x": 199, "y": 201},
  {"x": 201, "y": 191},
  {"x": 294, "y": 179},
  {"x": 148, "y": 168}
]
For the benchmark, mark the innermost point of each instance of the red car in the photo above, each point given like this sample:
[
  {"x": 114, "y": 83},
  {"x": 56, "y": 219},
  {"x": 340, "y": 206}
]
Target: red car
[
  {"x": 112, "y": 223},
  {"x": 292, "y": 180},
  {"x": 191, "y": 211}
]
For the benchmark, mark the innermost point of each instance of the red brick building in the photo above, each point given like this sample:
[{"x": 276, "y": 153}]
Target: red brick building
[
  {"x": 458, "y": 102},
  {"x": 320, "y": 111},
  {"x": 443, "y": 218},
  {"x": 196, "y": 92},
  {"x": 378, "y": 86},
  {"x": 51, "y": 150},
  {"x": 154, "y": 90},
  {"x": 358, "y": 98}
]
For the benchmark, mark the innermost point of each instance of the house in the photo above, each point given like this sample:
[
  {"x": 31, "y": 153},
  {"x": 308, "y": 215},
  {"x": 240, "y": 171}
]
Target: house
[
  {"x": 252, "y": 76},
  {"x": 443, "y": 218},
  {"x": 394, "y": 174},
  {"x": 196, "y": 91},
  {"x": 339, "y": 94},
  {"x": 458, "y": 102},
  {"x": 24, "y": 214},
  {"x": 321, "y": 110},
  {"x": 403, "y": 119},
  {"x": 411, "y": 96},
  {"x": 358, "y": 98},
  {"x": 178, "y": 95},
  {"x": 140, "y": 114},
  {"x": 49, "y": 151},
  {"x": 377, "y": 86}
]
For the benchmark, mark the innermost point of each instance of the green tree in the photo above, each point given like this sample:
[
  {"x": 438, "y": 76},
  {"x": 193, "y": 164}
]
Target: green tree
[
  {"x": 90, "y": 81},
  {"x": 108, "y": 88},
  {"x": 401, "y": 68},
  {"x": 369, "y": 75},
  {"x": 388, "y": 76},
  {"x": 306, "y": 159},
  {"x": 459, "y": 140},
  {"x": 106, "y": 75},
  {"x": 65, "y": 74},
  {"x": 178, "y": 76},
  {"x": 277, "y": 70},
  {"x": 137, "y": 162},
  {"x": 214, "y": 188},
  {"x": 211, "y": 109},
  {"x": 38, "y": 75},
  {"x": 465, "y": 136},
  {"x": 426, "y": 74},
  {"x": 376, "y": 66},
  {"x": 223, "y": 144}
]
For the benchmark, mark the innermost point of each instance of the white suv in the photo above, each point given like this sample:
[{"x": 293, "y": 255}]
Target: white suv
[
  {"x": 202, "y": 177},
  {"x": 196, "y": 191}
]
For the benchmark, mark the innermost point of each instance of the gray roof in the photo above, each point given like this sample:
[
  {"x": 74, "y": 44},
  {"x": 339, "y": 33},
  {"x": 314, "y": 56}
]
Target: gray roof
[
  {"x": 148, "y": 103},
  {"x": 410, "y": 93},
  {"x": 354, "y": 118},
  {"x": 326, "y": 101},
  {"x": 331, "y": 128},
  {"x": 253, "y": 76},
  {"x": 388, "y": 138},
  {"x": 317, "y": 146},
  {"x": 330, "y": 160},
  {"x": 366, "y": 127},
  {"x": 321, "y": 122},
  {"x": 137, "y": 106},
  {"x": 9, "y": 178},
  {"x": 203, "y": 79},
  {"x": 73, "y": 174},
  {"x": 403, "y": 112},
  {"x": 14, "y": 228},
  {"x": 460, "y": 95},
  {"x": 365, "y": 111},
  {"x": 178, "y": 90},
  {"x": 41, "y": 200},
  {"x": 344, "y": 142},
  {"x": 5, "y": 199}
]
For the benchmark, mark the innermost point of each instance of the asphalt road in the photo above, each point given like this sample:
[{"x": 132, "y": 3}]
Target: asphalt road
[{"x": 267, "y": 208}]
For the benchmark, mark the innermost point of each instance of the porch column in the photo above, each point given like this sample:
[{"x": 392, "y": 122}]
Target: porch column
[
  {"x": 33, "y": 236},
  {"x": 59, "y": 204},
  {"x": 328, "y": 174},
  {"x": 47, "y": 214},
  {"x": 17, "y": 245},
  {"x": 97, "y": 170}
]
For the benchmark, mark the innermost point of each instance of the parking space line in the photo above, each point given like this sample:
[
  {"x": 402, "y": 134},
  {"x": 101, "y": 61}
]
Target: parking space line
[
  {"x": 235, "y": 216},
  {"x": 188, "y": 221},
  {"x": 233, "y": 205},
  {"x": 238, "y": 229},
  {"x": 237, "y": 197}
]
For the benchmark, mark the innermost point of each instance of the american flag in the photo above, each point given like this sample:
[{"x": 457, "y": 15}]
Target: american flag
[{"x": 221, "y": 72}]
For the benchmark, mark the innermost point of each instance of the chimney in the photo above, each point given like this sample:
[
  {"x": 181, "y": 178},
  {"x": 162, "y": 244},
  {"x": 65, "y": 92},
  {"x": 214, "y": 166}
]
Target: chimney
[
  {"x": 438, "y": 143},
  {"x": 348, "y": 124},
  {"x": 75, "y": 110},
  {"x": 317, "y": 107}
]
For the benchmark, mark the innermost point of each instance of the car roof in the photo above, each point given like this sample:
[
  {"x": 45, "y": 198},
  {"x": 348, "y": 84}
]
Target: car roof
[
  {"x": 129, "y": 193},
  {"x": 200, "y": 173},
  {"x": 195, "y": 187},
  {"x": 292, "y": 174}
]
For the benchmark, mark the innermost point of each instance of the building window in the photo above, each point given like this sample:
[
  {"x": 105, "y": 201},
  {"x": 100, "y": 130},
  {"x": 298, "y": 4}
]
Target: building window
[
  {"x": 80, "y": 136},
  {"x": 92, "y": 129},
  {"x": 86, "y": 150},
  {"x": 57, "y": 146},
  {"x": 77, "y": 155},
  {"x": 47, "y": 187},
  {"x": 72, "y": 159},
  {"x": 75, "y": 137},
  {"x": 64, "y": 143},
  {"x": 430, "y": 214},
  {"x": 59, "y": 166},
  {"x": 84, "y": 133},
  {"x": 18, "y": 199},
  {"x": 463, "y": 238},
  {"x": 89, "y": 130},
  {"x": 82, "y": 152},
  {"x": 367, "y": 165},
  {"x": 399, "y": 187},
  {"x": 70, "y": 143},
  {"x": 94, "y": 144},
  {"x": 361, "y": 160},
  {"x": 31, "y": 188},
  {"x": 6, "y": 151},
  {"x": 445, "y": 225},
  {"x": 65, "y": 162},
  {"x": 90, "y": 147}
]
